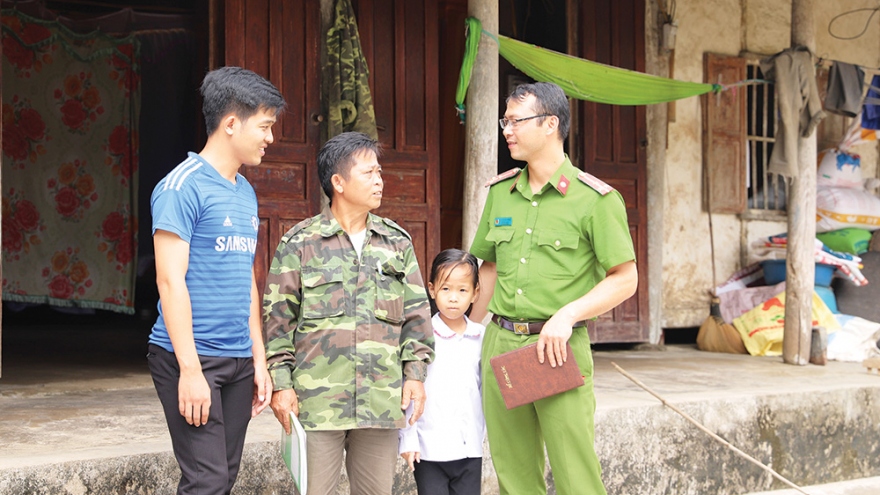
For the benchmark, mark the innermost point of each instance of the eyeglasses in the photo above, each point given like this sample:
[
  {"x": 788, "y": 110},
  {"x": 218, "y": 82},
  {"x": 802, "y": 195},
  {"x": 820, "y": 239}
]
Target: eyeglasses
[{"x": 506, "y": 122}]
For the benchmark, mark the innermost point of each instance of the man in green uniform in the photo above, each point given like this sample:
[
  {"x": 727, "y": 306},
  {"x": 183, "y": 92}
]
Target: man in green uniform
[
  {"x": 348, "y": 326},
  {"x": 556, "y": 251}
]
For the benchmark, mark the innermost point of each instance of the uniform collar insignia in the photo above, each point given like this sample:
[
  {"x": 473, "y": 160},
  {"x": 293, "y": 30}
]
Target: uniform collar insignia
[{"x": 562, "y": 184}]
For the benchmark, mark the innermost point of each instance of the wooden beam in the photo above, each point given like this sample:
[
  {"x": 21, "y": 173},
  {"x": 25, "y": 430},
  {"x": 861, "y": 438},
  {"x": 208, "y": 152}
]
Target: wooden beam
[
  {"x": 800, "y": 257},
  {"x": 481, "y": 145}
]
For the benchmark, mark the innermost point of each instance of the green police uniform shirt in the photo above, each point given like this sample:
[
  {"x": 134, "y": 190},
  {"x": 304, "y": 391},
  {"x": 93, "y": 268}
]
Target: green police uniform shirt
[
  {"x": 552, "y": 247},
  {"x": 343, "y": 333}
]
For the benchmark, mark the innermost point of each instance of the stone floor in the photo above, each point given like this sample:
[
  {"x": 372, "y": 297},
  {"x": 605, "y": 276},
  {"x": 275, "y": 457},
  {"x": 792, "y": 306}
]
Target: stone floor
[{"x": 73, "y": 390}]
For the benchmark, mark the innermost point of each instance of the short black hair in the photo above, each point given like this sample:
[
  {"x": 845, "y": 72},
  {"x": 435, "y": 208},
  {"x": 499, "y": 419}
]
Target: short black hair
[
  {"x": 448, "y": 260},
  {"x": 238, "y": 91},
  {"x": 337, "y": 156},
  {"x": 550, "y": 100}
]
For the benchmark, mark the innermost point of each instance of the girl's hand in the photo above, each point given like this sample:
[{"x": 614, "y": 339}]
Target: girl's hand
[{"x": 410, "y": 458}]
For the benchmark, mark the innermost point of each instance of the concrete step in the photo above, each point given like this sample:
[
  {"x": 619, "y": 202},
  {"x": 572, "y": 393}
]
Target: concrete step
[
  {"x": 812, "y": 424},
  {"x": 862, "y": 486}
]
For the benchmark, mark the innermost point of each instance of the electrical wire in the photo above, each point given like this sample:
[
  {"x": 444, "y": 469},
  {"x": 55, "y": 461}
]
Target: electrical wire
[{"x": 867, "y": 23}]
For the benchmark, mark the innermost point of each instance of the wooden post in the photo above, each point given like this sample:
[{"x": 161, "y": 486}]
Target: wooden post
[
  {"x": 801, "y": 204},
  {"x": 481, "y": 145}
]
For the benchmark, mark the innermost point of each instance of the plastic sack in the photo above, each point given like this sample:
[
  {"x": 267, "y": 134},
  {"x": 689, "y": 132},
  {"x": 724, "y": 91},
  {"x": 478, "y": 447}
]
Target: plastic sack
[
  {"x": 838, "y": 208},
  {"x": 838, "y": 169},
  {"x": 762, "y": 328},
  {"x": 855, "y": 341},
  {"x": 736, "y": 303},
  {"x": 850, "y": 240}
]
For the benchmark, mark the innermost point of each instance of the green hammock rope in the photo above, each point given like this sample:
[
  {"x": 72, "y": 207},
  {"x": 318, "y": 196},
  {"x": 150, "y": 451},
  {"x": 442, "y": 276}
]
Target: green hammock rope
[{"x": 579, "y": 78}]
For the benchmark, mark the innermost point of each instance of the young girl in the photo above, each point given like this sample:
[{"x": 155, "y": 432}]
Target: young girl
[{"x": 444, "y": 449}]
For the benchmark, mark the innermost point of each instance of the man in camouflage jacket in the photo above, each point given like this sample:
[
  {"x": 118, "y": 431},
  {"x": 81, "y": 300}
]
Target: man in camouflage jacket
[{"x": 347, "y": 325}]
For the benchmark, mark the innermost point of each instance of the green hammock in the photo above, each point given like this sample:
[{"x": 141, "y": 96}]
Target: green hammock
[{"x": 579, "y": 78}]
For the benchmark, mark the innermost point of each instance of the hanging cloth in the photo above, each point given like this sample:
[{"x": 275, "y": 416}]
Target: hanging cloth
[
  {"x": 800, "y": 109},
  {"x": 71, "y": 107},
  {"x": 592, "y": 81},
  {"x": 871, "y": 113},
  {"x": 472, "y": 30},
  {"x": 579, "y": 78},
  {"x": 350, "y": 103},
  {"x": 845, "y": 83}
]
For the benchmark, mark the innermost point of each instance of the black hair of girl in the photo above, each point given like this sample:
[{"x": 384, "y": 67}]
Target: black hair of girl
[{"x": 446, "y": 261}]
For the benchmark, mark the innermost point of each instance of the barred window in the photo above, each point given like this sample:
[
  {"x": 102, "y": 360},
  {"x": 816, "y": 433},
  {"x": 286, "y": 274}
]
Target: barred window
[{"x": 766, "y": 191}]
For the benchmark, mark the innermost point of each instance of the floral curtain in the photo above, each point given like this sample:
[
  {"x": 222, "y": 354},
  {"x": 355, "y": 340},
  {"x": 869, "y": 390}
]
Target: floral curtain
[{"x": 69, "y": 163}]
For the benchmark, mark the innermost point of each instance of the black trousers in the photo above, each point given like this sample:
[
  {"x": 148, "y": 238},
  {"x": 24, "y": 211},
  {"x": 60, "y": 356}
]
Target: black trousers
[
  {"x": 459, "y": 477},
  {"x": 208, "y": 455}
]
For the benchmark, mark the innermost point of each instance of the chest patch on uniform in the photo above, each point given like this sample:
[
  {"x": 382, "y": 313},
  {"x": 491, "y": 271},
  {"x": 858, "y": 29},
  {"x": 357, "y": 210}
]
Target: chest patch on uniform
[{"x": 503, "y": 221}]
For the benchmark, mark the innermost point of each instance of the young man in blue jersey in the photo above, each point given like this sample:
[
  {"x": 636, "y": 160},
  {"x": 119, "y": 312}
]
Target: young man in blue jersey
[{"x": 206, "y": 352}]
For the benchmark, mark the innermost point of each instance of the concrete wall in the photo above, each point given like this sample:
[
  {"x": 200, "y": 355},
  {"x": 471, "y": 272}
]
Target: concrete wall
[
  {"x": 731, "y": 27},
  {"x": 810, "y": 438}
]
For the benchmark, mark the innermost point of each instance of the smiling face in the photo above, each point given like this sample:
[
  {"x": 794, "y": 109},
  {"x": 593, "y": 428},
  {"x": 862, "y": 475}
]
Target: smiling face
[
  {"x": 251, "y": 137},
  {"x": 454, "y": 293},
  {"x": 362, "y": 186},
  {"x": 528, "y": 137}
]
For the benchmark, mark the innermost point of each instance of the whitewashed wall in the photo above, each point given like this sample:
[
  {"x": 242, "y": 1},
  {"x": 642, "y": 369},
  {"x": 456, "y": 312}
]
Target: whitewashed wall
[{"x": 733, "y": 27}]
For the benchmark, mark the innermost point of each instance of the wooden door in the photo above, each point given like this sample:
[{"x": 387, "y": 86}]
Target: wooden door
[
  {"x": 280, "y": 41},
  {"x": 399, "y": 39},
  {"x": 611, "y": 142}
]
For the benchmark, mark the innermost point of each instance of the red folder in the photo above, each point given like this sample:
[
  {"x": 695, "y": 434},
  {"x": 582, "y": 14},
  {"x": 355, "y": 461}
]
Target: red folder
[{"x": 522, "y": 379}]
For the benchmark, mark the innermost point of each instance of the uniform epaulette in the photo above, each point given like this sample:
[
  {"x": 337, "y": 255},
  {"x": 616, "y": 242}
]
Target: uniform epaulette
[
  {"x": 599, "y": 186},
  {"x": 391, "y": 223},
  {"x": 298, "y": 227},
  {"x": 500, "y": 177}
]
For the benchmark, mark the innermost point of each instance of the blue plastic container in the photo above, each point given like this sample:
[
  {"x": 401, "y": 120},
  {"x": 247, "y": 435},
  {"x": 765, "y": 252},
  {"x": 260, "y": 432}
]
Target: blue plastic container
[
  {"x": 827, "y": 296},
  {"x": 774, "y": 272}
]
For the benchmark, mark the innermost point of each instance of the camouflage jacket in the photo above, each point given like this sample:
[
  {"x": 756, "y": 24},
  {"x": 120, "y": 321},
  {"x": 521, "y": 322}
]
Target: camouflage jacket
[{"x": 343, "y": 333}]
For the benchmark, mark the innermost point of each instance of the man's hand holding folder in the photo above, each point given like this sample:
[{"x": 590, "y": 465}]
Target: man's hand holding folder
[{"x": 523, "y": 379}]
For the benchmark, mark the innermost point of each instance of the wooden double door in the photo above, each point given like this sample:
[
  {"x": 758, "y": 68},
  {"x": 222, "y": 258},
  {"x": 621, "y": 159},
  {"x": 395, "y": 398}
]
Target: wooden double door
[
  {"x": 402, "y": 43},
  {"x": 282, "y": 41}
]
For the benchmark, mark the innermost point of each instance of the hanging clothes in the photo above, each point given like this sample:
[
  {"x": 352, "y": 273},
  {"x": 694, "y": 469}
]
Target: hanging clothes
[
  {"x": 350, "y": 103},
  {"x": 871, "y": 113},
  {"x": 800, "y": 109},
  {"x": 579, "y": 78},
  {"x": 70, "y": 165},
  {"x": 845, "y": 83}
]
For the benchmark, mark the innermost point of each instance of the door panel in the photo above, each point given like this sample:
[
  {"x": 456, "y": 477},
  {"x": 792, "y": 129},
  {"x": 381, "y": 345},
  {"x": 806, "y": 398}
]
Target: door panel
[
  {"x": 280, "y": 41},
  {"x": 399, "y": 39},
  {"x": 612, "y": 146}
]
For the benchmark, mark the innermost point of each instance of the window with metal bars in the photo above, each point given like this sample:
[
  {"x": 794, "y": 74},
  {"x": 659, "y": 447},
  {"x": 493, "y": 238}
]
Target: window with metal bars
[{"x": 767, "y": 192}]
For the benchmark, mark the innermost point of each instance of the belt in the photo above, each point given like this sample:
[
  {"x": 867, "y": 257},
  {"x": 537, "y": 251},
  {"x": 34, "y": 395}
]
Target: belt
[{"x": 525, "y": 328}]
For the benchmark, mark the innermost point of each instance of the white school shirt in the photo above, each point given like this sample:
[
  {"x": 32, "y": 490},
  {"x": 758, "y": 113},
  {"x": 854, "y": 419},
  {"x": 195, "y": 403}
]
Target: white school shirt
[{"x": 452, "y": 426}]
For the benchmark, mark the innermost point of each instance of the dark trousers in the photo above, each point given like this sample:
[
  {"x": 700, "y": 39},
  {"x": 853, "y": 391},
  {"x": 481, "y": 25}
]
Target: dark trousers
[
  {"x": 208, "y": 455},
  {"x": 459, "y": 477}
]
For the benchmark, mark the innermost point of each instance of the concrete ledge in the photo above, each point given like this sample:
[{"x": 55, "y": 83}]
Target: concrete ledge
[
  {"x": 262, "y": 473},
  {"x": 862, "y": 486},
  {"x": 810, "y": 438},
  {"x": 813, "y": 424}
]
